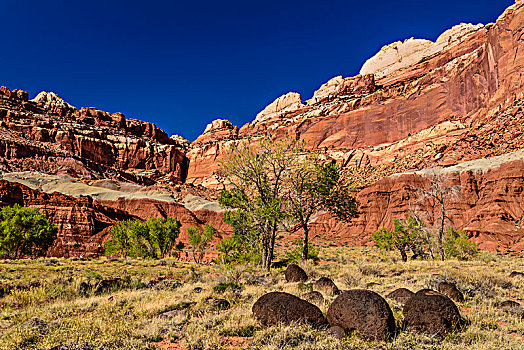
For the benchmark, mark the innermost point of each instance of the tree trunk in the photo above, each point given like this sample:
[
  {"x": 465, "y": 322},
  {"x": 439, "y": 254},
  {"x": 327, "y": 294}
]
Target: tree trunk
[
  {"x": 264, "y": 251},
  {"x": 271, "y": 249},
  {"x": 305, "y": 252},
  {"x": 402, "y": 253},
  {"x": 441, "y": 230}
]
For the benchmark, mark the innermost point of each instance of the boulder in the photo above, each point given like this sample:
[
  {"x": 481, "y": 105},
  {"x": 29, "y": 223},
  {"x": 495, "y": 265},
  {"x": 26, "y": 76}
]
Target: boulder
[
  {"x": 402, "y": 295},
  {"x": 327, "y": 286},
  {"x": 221, "y": 304},
  {"x": 295, "y": 273},
  {"x": 337, "y": 332},
  {"x": 509, "y": 304},
  {"x": 516, "y": 274},
  {"x": 283, "y": 308},
  {"x": 363, "y": 311},
  {"x": 451, "y": 291},
  {"x": 512, "y": 307},
  {"x": 314, "y": 297},
  {"x": 431, "y": 312}
]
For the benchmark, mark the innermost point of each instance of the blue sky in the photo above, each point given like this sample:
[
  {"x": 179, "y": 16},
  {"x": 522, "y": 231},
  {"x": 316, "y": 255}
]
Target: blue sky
[{"x": 182, "y": 64}]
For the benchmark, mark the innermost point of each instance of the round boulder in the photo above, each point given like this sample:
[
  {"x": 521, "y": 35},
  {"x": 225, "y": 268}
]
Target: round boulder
[
  {"x": 401, "y": 295},
  {"x": 337, "y": 332},
  {"x": 295, "y": 273},
  {"x": 327, "y": 286},
  {"x": 451, "y": 291},
  {"x": 431, "y": 312},
  {"x": 314, "y": 297},
  {"x": 512, "y": 307},
  {"x": 283, "y": 308},
  {"x": 221, "y": 304},
  {"x": 509, "y": 304},
  {"x": 364, "y": 311}
]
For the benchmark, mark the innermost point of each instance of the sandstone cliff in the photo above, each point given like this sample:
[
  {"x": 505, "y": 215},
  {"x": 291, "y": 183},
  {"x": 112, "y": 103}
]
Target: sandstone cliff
[
  {"x": 469, "y": 77},
  {"x": 416, "y": 105}
]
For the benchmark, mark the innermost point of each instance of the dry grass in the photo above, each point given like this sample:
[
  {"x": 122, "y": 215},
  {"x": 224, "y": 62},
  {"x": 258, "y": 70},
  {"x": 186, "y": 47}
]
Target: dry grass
[{"x": 128, "y": 317}]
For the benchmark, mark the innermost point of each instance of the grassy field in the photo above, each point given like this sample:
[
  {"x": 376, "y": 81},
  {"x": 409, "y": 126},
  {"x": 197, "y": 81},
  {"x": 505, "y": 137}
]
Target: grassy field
[{"x": 55, "y": 303}]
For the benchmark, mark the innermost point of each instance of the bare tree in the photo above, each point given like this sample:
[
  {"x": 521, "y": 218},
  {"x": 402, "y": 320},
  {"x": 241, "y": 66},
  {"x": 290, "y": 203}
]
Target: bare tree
[{"x": 439, "y": 191}]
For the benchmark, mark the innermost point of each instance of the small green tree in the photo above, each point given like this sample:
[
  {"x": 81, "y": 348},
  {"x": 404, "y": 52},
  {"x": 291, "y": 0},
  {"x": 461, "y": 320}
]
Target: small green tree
[
  {"x": 199, "y": 239},
  {"x": 163, "y": 233},
  {"x": 244, "y": 243},
  {"x": 155, "y": 238},
  {"x": 405, "y": 236},
  {"x": 228, "y": 250},
  {"x": 24, "y": 232},
  {"x": 315, "y": 186},
  {"x": 457, "y": 245}
]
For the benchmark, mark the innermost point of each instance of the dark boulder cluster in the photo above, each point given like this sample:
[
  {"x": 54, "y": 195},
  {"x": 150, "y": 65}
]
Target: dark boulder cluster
[{"x": 363, "y": 311}]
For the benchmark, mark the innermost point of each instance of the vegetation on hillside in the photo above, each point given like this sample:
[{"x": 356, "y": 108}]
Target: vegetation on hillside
[
  {"x": 154, "y": 238},
  {"x": 24, "y": 232},
  {"x": 415, "y": 236}
]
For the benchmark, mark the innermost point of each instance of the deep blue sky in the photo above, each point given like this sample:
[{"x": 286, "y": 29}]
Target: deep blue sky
[{"x": 181, "y": 64}]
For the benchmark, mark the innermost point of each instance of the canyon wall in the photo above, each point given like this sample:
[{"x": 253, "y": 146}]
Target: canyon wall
[{"x": 416, "y": 105}]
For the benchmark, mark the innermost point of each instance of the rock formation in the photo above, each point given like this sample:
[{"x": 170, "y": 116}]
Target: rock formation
[{"x": 454, "y": 106}]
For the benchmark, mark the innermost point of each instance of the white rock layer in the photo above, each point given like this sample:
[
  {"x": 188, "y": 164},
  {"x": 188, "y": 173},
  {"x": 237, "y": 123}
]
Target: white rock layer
[{"x": 400, "y": 55}]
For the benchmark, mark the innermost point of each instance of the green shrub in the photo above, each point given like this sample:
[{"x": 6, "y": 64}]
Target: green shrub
[
  {"x": 457, "y": 245},
  {"x": 155, "y": 238},
  {"x": 406, "y": 236},
  {"x": 24, "y": 232},
  {"x": 199, "y": 239},
  {"x": 223, "y": 286},
  {"x": 295, "y": 255}
]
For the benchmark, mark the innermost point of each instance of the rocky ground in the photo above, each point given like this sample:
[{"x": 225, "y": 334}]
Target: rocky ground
[{"x": 140, "y": 304}]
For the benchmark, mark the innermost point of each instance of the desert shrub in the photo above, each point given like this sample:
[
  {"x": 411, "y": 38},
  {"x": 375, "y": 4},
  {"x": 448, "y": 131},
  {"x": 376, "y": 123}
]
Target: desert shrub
[
  {"x": 241, "y": 331},
  {"x": 295, "y": 255},
  {"x": 367, "y": 269},
  {"x": 24, "y": 232},
  {"x": 223, "y": 286},
  {"x": 457, "y": 245}
]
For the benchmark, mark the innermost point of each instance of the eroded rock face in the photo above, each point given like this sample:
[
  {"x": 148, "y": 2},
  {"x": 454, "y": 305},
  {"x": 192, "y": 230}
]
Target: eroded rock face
[
  {"x": 80, "y": 222},
  {"x": 404, "y": 54},
  {"x": 286, "y": 102},
  {"x": 431, "y": 312},
  {"x": 364, "y": 311},
  {"x": 448, "y": 107},
  {"x": 488, "y": 205},
  {"x": 50, "y": 135},
  {"x": 282, "y": 308}
]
